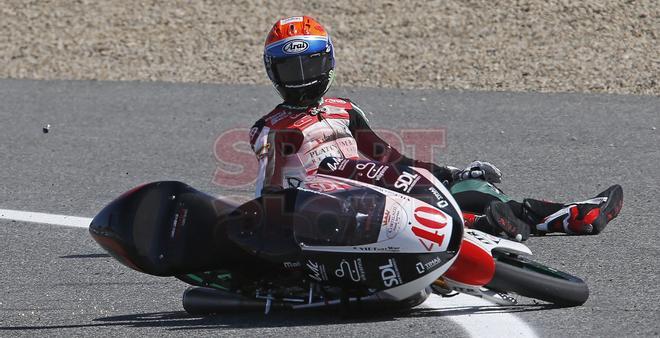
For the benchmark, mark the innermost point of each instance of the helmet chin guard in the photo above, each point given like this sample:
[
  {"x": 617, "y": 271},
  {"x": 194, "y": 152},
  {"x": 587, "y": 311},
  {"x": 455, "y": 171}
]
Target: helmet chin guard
[{"x": 307, "y": 95}]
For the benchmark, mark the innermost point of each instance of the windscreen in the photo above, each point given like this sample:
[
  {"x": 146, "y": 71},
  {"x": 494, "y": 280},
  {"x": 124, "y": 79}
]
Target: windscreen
[{"x": 345, "y": 219}]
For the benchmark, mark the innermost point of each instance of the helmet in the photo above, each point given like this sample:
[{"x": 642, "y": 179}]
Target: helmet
[{"x": 299, "y": 59}]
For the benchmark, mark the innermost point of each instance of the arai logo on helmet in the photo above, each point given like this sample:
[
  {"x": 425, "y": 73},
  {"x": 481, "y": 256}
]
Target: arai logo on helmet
[{"x": 295, "y": 46}]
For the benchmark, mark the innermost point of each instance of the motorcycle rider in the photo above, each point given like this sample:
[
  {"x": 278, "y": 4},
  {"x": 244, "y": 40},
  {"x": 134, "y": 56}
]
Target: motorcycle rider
[{"x": 291, "y": 141}]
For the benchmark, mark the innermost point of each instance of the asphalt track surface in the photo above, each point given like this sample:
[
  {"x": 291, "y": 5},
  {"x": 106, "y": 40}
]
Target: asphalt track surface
[{"x": 107, "y": 137}]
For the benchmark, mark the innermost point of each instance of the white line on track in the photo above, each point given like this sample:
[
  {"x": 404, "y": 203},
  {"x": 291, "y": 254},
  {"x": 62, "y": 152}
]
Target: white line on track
[
  {"x": 38, "y": 217},
  {"x": 478, "y": 317}
]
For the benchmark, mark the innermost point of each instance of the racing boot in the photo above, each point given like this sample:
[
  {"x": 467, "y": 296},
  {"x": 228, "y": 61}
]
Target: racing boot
[
  {"x": 579, "y": 218},
  {"x": 499, "y": 218}
]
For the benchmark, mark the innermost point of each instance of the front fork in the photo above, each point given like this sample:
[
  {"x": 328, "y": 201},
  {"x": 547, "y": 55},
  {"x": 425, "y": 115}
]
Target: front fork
[{"x": 446, "y": 287}]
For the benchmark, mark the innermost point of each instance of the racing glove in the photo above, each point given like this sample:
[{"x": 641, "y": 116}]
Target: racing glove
[{"x": 479, "y": 170}]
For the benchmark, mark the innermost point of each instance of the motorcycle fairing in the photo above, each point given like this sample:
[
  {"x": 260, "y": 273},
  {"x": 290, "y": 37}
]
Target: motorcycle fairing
[
  {"x": 491, "y": 243},
  {"x": 425, "y": 245},
  {"x": 475, "y": 265},
  {"x": 169, "y": 228},
  {"x": 426, "y": 229},
  {"x": 370, "y": 273},
  {"x": 347, "y": 218},
  {"x": 397, "y": 181},
  {"x": 396, "y": 266},
  {"x": 276, "y": 225},
  {"x": 264, "y": 226},
  {"x": 166, "y": 228},
  {"x": 414, "y": 182},
  {"x": 421, "y": 203}
]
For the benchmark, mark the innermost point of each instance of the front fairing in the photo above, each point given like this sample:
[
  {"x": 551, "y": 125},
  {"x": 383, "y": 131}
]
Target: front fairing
[
  {"x": 411, "y": 237},
  {"x": 349, "y": 218}
]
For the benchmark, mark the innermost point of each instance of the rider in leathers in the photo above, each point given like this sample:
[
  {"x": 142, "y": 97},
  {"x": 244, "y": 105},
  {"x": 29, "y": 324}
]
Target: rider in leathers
[{"x": 291, "y": 141}]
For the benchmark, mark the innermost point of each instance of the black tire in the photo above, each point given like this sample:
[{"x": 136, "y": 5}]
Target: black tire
[{"x": 534, "y": 280}]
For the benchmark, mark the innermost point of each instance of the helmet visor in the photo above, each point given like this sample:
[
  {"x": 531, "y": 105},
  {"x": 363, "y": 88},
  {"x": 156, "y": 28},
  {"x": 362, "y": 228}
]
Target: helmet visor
[{"x": 303, "y": 69}]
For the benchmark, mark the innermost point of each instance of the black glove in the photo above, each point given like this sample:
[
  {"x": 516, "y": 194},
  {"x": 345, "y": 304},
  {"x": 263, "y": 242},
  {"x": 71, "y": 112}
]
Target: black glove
[
  {"x": 444, "y": 174},
  {"x": 481, "y": 170}
]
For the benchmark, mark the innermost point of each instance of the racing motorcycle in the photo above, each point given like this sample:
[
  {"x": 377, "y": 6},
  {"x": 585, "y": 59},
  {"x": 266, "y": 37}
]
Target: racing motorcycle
[{"x": 358, "y": 232}]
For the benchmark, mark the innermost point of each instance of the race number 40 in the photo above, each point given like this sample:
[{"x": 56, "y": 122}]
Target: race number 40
[{"x": 429, "y": 222}]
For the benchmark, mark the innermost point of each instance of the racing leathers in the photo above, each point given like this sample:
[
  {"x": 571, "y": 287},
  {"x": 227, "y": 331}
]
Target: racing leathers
[{"x": 290, "y": 142}]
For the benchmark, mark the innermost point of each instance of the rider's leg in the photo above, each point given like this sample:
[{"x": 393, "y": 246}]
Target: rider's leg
[
  {"x": 474, "y": 195},
  {"x": 581, "y": 218},
  {"x": 485, "y": 207},
  {"x": 503, "y": 217},
  {"x": 493, "y": 216}
]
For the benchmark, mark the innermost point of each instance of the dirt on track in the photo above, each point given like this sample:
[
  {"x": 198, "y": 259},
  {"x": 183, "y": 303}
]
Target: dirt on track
[{"x": 525, "y": 45}]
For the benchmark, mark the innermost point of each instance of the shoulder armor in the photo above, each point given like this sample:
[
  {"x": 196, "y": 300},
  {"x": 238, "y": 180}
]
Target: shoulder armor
[{"x": 338, "y": 103}]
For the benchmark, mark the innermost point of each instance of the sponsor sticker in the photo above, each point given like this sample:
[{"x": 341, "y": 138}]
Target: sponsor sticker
[
  {"x": 378, "y": 248},
  {"x": 420, "y": 268},
  {"x": 292, "y": 265},
  {"x": 485, "y": 238},
  {"x": 343, "y": 164},
  {"x": 432, "y": 263},
  {"x": 293, "y": 182},
  {"x": 253, "y": 132},
  {"x": 302, "y": 121},
  {"x": 327, "y": 186},
  {"x": 277, "y": 117},
  {"x": 291, "y": 20},
  {"x": 441, "y": 200},
  {"x": 389, "y": 273},
  {"x": 333, "y": 100},
  {"x": 295, "y": 47},
  {"x": 373, "y": 171},
  {"x": 179, "y": 221},
  {"x": 406, "y": 181},
  {"x": 317, "y": 271},
  {"x": 429, "y": 222},
  {"x": 337, "y": 164},
  {"x": 338, "y": 148},
  {"x": 394, "y": 217},
  {"x": 354, "y": 270}
]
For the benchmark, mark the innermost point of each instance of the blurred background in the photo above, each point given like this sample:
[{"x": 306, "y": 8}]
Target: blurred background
[{"x": 524, "y": 45}]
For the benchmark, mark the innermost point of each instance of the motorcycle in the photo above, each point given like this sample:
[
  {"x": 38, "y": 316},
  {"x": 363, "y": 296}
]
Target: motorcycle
[{"x": 358, "y": 232}]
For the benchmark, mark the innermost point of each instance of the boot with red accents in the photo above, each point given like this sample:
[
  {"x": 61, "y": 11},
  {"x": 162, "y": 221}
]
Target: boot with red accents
[{"x": 579, "y": 218}]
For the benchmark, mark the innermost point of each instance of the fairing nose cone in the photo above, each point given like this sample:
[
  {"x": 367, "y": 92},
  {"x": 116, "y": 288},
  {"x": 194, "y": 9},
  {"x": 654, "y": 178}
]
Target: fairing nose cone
[{"x": 130, "y": 228}]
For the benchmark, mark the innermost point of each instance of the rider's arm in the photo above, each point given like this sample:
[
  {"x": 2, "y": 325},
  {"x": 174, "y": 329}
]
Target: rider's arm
[
  {"x": 375, "y": 148},
  {"x": 262, "y": 140}
]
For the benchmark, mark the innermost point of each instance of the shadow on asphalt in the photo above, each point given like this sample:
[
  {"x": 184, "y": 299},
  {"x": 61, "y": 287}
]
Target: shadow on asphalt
[
  {"x": 96, "y": 255},
  {"x": 181, "y": 320}
]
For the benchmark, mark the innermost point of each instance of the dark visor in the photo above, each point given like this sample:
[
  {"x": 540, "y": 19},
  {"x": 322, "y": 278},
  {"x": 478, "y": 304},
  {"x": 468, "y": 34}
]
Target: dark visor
[{"x": 302, "y": 69}]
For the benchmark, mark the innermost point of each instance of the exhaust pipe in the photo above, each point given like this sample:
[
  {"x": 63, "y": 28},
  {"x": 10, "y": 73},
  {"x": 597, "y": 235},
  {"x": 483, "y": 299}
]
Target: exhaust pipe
[{"x": 204, "y": 301}]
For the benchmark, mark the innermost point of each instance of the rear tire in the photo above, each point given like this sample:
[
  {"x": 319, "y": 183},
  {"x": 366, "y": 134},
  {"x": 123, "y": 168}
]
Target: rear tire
[{"x": 534, "y": 280}]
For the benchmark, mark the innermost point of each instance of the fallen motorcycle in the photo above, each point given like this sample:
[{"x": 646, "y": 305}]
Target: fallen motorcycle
[{"x": 359, "y": 232}]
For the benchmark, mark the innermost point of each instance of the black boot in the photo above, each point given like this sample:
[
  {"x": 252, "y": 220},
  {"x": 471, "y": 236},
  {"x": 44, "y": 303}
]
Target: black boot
[{"x": 580, "y": 218}]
